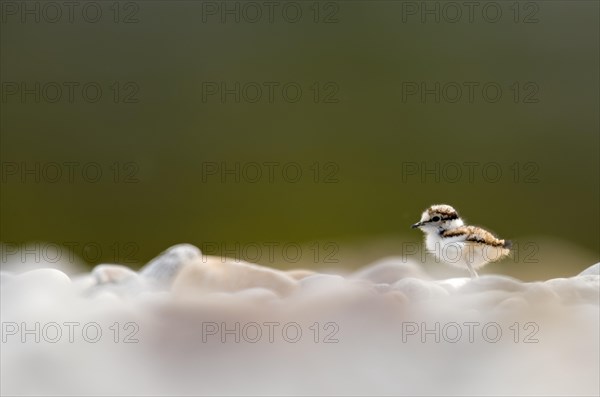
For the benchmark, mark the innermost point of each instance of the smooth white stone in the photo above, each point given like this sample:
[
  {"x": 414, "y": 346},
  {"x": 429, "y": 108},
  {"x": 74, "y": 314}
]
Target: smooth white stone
[
  {"x": 6, "y": 277},
  {"x": 40, "y": 291},
  {"x": 212, "y": 274},
  {"x": 164, "y": 268},
  {"x": 83, "y": 282},
  {"x": 117, "y": 279},
  {"x": 112, "y": 274},
  {"x": 382, "y": 288},
  {"x": 259, "y": 295},
  {"x": 593, "y": 270},
  {"x": 389, "y": 270},
  {"x": 398, "y": 297},
  {"x": 329, "y": 290},
  {"x": 480, "y": 300},
  {"x": 320, "y": 282},
  {"x": 54, "y": 257},
  {"x": 540, "y": 293},
  {"x": 417, "y": 289},
  {"x": 153, "y": 298},
  {"x": 513, "y": 304},
  {"x": 45, "y": 278},
  {"x": 453, "y": 284},
  {"x": 493, "y": 282},
  {"x": 299, "y": 274},
  {"x": 581, "y": 289},
  {"x": 327, "y": 293}
]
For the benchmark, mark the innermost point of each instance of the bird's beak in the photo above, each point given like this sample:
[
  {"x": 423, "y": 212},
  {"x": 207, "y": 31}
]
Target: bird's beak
[{"x": 416, "y": 225}]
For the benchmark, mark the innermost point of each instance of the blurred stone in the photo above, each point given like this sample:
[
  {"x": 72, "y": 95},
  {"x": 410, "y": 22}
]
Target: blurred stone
[
  {"x": 593, "y": 270},
  {"x": 453, "y": 284},
  {"x": 34, "y": 293},
  {"x": 213, "y": 274},
  {"x": 106, "y": 297},
  {"x": 416, "y": 289},
  {"x": 389, "y": 270},
  {"x": 398, "y": 297},
  {"x": 299, "y": 274},
  {"x": 112, "y": 274},
  {"x": 258, "y": 295},
  {"x": 481, "y": 300},
  {"x": 6, "y": 277},
  {"x": 164, "y": 268},
  {"x": 493, "y": 282},
  {"x": 513, "y": 304},
  {"x": 322, "y": 282},
  {"x": 581, "y": 289},
  {"x": 368, "y": 319},
  {"x": 325, "y": 294},
  {"x": 119, "y": 280},
  {"x": 28, "y": 257},
  {"x": 540, "y": 293},
  {"x": 45, "y": 279},
  {"x": 83, "y": 281},
  {"x": 382, "y": 288}
]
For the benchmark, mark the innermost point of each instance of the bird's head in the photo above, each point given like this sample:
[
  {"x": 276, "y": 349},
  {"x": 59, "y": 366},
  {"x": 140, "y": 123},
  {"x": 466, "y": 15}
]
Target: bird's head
[{"x": 438, "y": 218}]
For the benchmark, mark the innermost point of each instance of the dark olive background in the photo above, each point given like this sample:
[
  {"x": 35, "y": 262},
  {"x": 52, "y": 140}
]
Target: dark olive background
[{"x": 368, "y": 134}]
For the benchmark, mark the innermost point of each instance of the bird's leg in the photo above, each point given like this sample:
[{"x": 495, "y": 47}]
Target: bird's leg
[{"x": 471, "y": 270}]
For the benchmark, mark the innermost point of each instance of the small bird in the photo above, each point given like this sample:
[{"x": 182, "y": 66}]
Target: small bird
[{"x": 447, "y": 237}]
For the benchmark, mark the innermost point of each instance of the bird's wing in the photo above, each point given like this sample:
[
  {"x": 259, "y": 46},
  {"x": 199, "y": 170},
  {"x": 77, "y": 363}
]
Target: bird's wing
[
  {"x": 476, "y": 234},
  {"x": 480, "y": 240}
]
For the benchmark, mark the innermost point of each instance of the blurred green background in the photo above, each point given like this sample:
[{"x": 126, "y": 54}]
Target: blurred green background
[{"x": 357, "y": 130}]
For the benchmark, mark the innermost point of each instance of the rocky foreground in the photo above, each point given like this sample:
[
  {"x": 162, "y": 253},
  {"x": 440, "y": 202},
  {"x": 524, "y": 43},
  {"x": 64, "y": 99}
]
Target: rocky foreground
[{"x": 191, "y": 324}]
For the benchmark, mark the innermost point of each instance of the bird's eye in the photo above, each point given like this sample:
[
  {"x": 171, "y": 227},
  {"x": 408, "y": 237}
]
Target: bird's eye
[{"x": 435, "y": 218}]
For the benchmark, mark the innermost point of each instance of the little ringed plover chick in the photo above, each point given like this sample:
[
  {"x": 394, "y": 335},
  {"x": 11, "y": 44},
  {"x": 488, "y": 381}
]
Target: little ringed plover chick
[{"x": 451, "y": 241}]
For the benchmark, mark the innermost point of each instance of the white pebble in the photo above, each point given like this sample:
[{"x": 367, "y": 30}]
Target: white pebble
[
  {"x": 321, "y": 282},
  {"x": 164, "y": 268},
  {"x": 258, "y": 295},
  {"x": 389, "y": 270},
  {"x": 45, "y": 279},
  {"x": 107, "y": 274},
  {"x": 416, "y": 289},
  {"x": 493, "y": 282},
  {"x": 593, "y": 270},
  {"x": 212, "y": 274}
]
